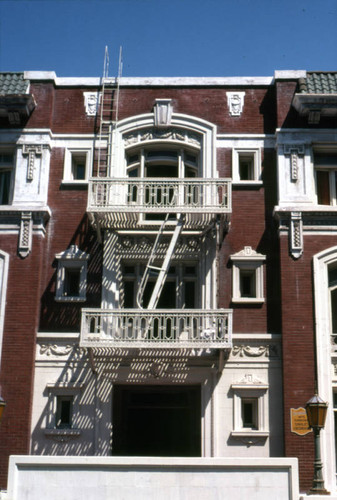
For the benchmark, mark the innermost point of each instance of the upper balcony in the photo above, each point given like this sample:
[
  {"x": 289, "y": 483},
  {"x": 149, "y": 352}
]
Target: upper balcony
[
  {"x": 165, "y": 328},
  {"x": 127, "y": 203}
]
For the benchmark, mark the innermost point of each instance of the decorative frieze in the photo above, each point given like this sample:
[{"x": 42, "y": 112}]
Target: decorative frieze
[
  {"x": 294, "y": 151},
  {"x": 296, "y": 235},
  {"x": 162, "y": 112},
  {"x": 32, "y": 150},
  {"x": 25, "y": 236},
  {"x": 163, "y": 134},
  {"x": 59, "y": 351},
  {"x": 235, "y": 101},
  {"x": 251, "y": 351}
]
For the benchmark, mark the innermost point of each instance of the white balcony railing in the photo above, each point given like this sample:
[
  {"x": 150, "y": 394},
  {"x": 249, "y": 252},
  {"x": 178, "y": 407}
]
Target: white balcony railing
[
  {"x": 153, "y": 195},
  {"x": 143, "y": 328}
]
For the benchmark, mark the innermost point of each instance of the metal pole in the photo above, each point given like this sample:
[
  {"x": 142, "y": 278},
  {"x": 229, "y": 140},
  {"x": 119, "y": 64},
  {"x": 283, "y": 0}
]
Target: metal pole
[{"x": 318, "y": 487}]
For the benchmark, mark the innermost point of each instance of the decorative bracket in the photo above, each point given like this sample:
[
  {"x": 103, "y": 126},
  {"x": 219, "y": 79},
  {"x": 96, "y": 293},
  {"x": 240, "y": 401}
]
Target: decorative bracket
[
  {"x": 296, "y": 235},
  {"x": 162, "y": 112},
  {"x": 235, "y": 101},
  {"x": 25, "y": 236},
  {"x": 294, "y": 150},
  {"x": 32, "y": 150}
]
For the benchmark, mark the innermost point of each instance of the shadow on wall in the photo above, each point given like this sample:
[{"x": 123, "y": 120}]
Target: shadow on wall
[
  {"x": 65, "y": 317},
  {"x": 91, "y": 429}
]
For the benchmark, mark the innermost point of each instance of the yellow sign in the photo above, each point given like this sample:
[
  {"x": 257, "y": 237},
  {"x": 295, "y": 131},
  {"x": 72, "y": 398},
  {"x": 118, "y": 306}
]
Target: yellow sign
[{"x": 299, "y": 421}]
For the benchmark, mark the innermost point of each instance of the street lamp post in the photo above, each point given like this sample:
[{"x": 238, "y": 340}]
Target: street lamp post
[
  {"x": 316, "y": 410},
  {"x": 2, "y": 407}
]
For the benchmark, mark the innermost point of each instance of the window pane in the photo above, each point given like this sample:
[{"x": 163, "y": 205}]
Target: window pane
[
  {"x": 63, "y": 412},
  {"x": 334, "y": 310},
  {"x": 5, "y": 179},
  {"x": 72, "y": 282},
  {"x": 323, "y": 187},
  {"x": 246, "y": 168},
  {"x": 247, "y": 283},
  {"x": 248, "y": 411}
]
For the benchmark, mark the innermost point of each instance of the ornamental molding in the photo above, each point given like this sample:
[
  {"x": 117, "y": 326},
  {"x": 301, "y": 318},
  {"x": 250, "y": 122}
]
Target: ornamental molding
[
  {"x": 248, "y": 254},
  {"x": 32, "y": 150},
  {"x": 262, "y": 351},
  {"x": 235, "y": 101},
  {"x": 72, "y": 253},
  {"x": 162, "y": 112},
  {"x": 91, "y": 102},
  {"x": 296, "y": 235},
  {"x": 294, "y": 151},
  {"x": 164, "y": 134},
  {"x": 25, "y": 235},
  {"x": 249, "y": 379}
]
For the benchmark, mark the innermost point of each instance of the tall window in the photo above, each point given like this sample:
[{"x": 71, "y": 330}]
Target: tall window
[
  {"x": 333, "y": 301},
  {"x": 6, "y": 169},
  {"x": 326, "y": 179}
]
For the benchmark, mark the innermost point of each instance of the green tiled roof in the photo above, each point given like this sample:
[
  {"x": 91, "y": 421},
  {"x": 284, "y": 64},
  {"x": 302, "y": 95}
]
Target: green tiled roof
[
  {"x": 13, "y": 84},
  {"x": 321, "y": 83}
]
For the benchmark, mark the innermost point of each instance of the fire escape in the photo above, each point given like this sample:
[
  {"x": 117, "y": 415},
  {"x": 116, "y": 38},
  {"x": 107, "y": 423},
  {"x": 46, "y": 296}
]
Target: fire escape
[{"x": 166, "y": 208}]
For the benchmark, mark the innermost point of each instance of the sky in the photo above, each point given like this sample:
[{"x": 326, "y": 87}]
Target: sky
[{"x": 168, "y": 37}]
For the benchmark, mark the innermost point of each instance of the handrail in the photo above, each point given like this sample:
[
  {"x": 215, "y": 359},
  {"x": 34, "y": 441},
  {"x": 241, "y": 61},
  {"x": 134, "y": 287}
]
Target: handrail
[{"x": 182, "y": 328}]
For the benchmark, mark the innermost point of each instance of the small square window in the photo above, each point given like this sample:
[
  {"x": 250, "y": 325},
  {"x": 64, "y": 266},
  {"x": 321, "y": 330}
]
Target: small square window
[
  {"x": 247, "y": 276},
  {"x": 64, "y": 411},
  {"x": 77, "y": 163},
  {"x": 71, "y": 281},
  {"x": 246, "y": 166},
  {"x": 250, "y": 407}
]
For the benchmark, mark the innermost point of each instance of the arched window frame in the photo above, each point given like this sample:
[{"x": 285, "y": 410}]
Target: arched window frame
[
  {"x": 184, "y": 132},
  {"x": 4, "y": 264},
  {"x": 326, "y": 376}
]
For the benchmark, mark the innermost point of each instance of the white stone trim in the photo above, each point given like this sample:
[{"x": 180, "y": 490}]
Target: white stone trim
[
  {"x": 250, "y": 388},
  {"x": 150, "y": 81},
  {"x": 255, "y": 153},
  {"x": 4, "y": 264},
  {"x": 74, "y": 150},
  {"x": 249, "y": 260}
]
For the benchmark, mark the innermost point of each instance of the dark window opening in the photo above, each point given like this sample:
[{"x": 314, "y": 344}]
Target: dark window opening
[
  {"x": 72, "y": 282},
  {"x": 64, "y": 412}
]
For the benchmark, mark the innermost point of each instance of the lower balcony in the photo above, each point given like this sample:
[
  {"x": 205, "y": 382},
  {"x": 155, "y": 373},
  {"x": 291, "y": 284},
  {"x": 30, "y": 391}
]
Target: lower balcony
[{"x": 143, "y": 328}]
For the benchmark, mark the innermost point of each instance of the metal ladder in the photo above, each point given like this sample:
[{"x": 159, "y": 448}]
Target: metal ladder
[
  {"x": 163, "y": 270},
  {"x": 108, "y": 115}
]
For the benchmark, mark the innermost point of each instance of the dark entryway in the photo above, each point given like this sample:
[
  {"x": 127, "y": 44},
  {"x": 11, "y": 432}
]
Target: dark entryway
[{"x": 157, "y": 421}]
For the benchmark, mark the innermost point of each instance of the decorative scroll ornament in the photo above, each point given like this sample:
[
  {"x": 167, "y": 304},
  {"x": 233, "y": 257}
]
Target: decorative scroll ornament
[
  {"x": 294, "y": 150},
  {"x": 162, "y": 112},
  {"x": 235, "y": 101},
  {"x": 165, "y": 134},
  {"x": 32, "y": 150},
  {"x": 25, "y": 236},
  {"x": 296, "y": 235},
  {"x": 91, "y": 102}
]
